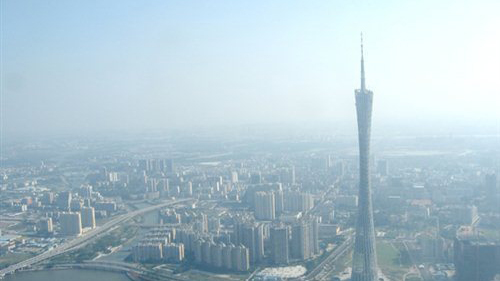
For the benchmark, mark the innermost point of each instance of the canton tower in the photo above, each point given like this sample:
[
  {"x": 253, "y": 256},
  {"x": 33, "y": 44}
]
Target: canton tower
[{"x": 364, "y": 263}]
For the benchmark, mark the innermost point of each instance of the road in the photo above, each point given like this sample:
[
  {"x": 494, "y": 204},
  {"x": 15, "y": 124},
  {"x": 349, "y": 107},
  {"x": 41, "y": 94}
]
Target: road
[
  {"x": 422, "y": 272},
  {"x": 323, "y": 197},
  {"x": 323, "y": 270},
  {"x": 326, "y": 266},
  {"x": 84, "y": 239}
]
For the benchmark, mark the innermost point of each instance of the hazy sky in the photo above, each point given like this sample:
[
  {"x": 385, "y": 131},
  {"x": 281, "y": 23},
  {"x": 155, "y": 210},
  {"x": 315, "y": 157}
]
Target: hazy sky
[{"x": 85, "y": 65}]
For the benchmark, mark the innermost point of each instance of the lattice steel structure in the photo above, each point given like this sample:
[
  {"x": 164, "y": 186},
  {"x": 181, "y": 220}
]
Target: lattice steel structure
[{"x": 364, "y": 265}]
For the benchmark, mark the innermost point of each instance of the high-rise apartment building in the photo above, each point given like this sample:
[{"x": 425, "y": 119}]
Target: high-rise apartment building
[
  {"x": 240, "y": 258},
  {"x": 70, "y": 223},
  {"x": 476, "y": 260},
  {"x": 88, "y": 217},
  {"x": 279, "y": 244},
  {"x": 301, "y": 245},
  {"x": 45, "y": 226},
  {"x": 295, "y": 201},
  {"x": 147, "y": 251},
  {"x": 251, "y": 236},
  {"x": 64, "y": 200},
  {"x": 48, "y": 198},
  {"x": 265, "y": 206},
  {"x": 305, "y": 242}
]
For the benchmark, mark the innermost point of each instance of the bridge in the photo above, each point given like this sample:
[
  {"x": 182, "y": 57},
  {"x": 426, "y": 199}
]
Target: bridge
[
  {"x": 85, "y": 238},
  {"x": 129, "y": 268}
]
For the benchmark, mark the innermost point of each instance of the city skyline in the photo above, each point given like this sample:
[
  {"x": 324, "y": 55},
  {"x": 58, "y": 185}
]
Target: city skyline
[{"x": 219, "y": 140}]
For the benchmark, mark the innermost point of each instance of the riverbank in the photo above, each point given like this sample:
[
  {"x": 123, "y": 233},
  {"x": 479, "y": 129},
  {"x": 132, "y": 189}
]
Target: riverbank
[{"x": 60, "y": 274}]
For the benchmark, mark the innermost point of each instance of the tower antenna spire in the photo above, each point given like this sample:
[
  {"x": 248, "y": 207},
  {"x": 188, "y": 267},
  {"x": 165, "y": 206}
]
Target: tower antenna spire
[{"x": 363, "y": 87}]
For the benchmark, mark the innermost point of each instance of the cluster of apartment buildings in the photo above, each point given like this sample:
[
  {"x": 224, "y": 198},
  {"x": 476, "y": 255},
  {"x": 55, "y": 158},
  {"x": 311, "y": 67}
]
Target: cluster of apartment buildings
[{"x": 157, "y": 246}]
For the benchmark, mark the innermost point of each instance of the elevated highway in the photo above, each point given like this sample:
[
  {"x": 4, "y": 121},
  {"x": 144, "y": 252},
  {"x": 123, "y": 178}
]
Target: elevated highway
[
  {"x": 134, "y": 269},
  {"x": 324, "y": 269},
  {"x": 85, "y": 238}
]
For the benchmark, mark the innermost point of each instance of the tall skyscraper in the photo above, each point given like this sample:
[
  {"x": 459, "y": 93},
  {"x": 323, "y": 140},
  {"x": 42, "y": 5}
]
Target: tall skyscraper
[{"x": 364, "y": 264}]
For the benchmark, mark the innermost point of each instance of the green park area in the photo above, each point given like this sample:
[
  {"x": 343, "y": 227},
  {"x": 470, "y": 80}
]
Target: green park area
[
  {"x": 12, "y": 258},
  {"x": 391, "y": 256},
  {"x": 490, "y": 234},
  {"x": 391, "y": 260},
  {"x": 413, "y": 278},
  {"x": 342, "y": 263}
]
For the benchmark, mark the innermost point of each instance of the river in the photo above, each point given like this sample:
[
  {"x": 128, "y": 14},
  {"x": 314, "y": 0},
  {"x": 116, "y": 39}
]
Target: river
[{"x": 67, "y": 274}]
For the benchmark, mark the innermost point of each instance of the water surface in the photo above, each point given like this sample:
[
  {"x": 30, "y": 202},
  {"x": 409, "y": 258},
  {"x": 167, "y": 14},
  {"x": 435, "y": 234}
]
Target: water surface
[{"x": 67, "y": 275}]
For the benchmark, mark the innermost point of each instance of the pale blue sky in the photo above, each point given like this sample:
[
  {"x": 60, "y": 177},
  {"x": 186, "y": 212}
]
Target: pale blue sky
[{"x": 85, "y": 65}]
